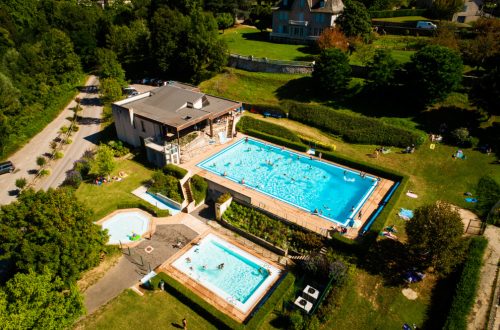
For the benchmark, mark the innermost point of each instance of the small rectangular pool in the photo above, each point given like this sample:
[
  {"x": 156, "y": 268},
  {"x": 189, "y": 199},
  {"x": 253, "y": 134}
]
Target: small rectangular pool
[
  {"x": 330, "y": 191},
  {"x": 234, "y": 275}
]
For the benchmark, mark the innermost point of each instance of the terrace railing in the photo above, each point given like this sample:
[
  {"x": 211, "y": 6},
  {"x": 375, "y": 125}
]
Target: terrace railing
[{"x": 271, "y": 61}]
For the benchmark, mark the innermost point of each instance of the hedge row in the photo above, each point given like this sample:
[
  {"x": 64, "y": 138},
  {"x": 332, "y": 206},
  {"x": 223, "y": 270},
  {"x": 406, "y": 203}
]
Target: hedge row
[
  {"x": 174, "y": 171},
  {"x": 199, "y": 188},
  {"x": 145, "y": 207},
  {"x": 218, "y": 318},
  {"x": 465, "y": 294},
  {"x": 352, "y": 128},
  {"x": 195, "y": 302},
  {"x": 397, "y": 13},
  {"x": 299, "y": 146},
  {"x": 248, "y": 123}
]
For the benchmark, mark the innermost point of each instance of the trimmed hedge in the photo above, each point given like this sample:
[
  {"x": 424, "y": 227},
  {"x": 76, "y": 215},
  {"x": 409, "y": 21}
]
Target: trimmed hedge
[
  {"x": 397, "y": 13},
  {"x": 174, "y": 170},
  {"x": 145, "y": 207},
  {"x": 465, "y": 294},
  {"x": 299, "y": 146},
  {"x": 223, "y": 198},
  {"x": 218, "y": 318},
  {"x": 199, "y": 188},
  {"x": 200, "y": 306},
  {"x": 352, "y": 128},
  {"x": 281, "y": 290},
  {"x": 248, "y": 123}
]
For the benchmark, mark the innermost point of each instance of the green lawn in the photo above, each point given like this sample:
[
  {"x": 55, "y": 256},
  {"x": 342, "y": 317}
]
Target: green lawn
[
  {"x": 246, "y": 40},
  {"x": 103, "y": 199},
  {"x": 158, "y": 310},
  {"x": 403, "y": 19}
]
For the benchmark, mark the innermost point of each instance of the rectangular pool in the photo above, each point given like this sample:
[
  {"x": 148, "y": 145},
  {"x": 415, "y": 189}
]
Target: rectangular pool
[
  {"x": 332, "y": 192},
  {"x": 242, "y": 279}
]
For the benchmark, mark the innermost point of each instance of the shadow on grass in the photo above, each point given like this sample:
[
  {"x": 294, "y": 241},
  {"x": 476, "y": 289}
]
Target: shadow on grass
[
  {"x": 453, "y": 117},
  {"x": 300, "y": 89}
]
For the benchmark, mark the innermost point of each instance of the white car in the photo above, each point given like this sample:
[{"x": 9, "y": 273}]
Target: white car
[{"x": 426, "y": 25}]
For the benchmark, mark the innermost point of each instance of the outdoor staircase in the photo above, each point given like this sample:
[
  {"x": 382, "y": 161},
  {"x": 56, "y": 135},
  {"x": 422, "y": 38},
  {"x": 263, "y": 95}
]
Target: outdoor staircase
[
  {"x": 323, "y": 250},
  {"x": 304, "y": 257},
  {"x": 187, "y": 189}
]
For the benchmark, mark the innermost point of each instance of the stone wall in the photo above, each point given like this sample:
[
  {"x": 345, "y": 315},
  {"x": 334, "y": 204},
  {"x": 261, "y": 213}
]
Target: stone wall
[{"x": 254, "y": 64}]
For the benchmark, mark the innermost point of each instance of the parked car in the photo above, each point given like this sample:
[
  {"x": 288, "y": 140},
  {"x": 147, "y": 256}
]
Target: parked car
[
  {"x": 426, "y": 25},
  {"x": 130, "y": 91},
  {"x": 272, "y": 114},
  {"x": 7, "y": 167}
]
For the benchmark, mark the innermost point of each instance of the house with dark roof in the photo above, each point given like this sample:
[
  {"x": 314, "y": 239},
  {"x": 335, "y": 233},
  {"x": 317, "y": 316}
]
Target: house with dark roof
[
  {"x": 303, "y": 21},
  {"x": 156, "y": 120}
]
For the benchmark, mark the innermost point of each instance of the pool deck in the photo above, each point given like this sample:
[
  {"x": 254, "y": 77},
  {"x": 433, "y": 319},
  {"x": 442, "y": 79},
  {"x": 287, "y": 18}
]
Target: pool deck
[
  {"x": 283, "y": 209},
  {"x": 201, "y": 290}
]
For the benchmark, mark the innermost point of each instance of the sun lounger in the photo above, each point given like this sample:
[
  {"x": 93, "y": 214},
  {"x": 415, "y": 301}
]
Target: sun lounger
[
  {"x": 411, "y": 194},
  {"x": 405, "y": 214},
  {"x": 471, "y": 200}
]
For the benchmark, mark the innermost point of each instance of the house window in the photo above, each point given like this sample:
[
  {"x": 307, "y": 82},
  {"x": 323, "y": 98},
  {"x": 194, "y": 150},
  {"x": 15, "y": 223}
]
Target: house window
[{"x": 142, "y": 126}]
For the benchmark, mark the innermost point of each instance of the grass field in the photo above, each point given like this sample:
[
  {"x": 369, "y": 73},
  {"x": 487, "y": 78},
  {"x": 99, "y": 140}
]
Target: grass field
[
  {"x": 245, "y": 40},
  {"x": 403, "y": 19},
  {"x": 104, "y": 198},
  {"x": 158, "y": 310}
]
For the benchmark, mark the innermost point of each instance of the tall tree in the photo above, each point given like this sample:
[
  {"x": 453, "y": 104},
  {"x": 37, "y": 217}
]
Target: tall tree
[
  {"x": 37, "y": 301},
  {"x": 104, "y": 161},
  {"x": 332, "y": 71},
  {"x": 224, "y": 21},
  {"x": 382, "y": 69},
  {"x": 108, "y": 65},
  {"x": 435, "y": 236},
  {"x": 444, "y": 9},
  {"x": 50, "y": 230},
  {"x": 355, "y": 20},
  {"x": 486, "y": 91},
  {"x": 110, "y": 90},
  {"x": 436, "y": 71}
]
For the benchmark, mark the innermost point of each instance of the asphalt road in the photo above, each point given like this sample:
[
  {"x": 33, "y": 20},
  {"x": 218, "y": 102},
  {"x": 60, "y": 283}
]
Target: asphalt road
[{"x": 85, "y": 138}]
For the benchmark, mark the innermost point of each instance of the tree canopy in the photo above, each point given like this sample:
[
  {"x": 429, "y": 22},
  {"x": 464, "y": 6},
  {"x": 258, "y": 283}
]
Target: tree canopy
[
  {"x": 38, "y": 301},
  {"x": 50, "y": 230},
  {"x": 355, "y": 20},
  {"x": 435, "y": 72},
  {"x": 435, "y": 236},
  {"x": 332, "y": 71},
  {"x": 104, "y": 161},
  {"x": 382, "y": 69}
]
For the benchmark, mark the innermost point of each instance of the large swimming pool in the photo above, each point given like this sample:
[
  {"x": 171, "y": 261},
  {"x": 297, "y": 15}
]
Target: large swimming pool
[
  {"x": 234, "y": 275},
  {"x": 336, "y": 193}
]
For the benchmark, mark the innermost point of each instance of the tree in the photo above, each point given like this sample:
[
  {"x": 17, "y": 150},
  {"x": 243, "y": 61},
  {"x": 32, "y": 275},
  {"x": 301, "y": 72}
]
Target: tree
[
  {"x": 50, "y": 230},
  {"x": 382, "y": 68},
  {"x": 333, "y": 38},
  {"x": 444, "y": 9},
  {"x": 485, "y": 45},
  {"x": 108, "y": 65},
  {"x": 104, "y": 161},
  {"x": 37, "y": 301},
  {"x": 355, "y": 19},
  {"x": 40, "y": 161},
  {"x": 21, "y": 183},
  {"x": 332, "y": 71},
  {"x": 261, "y": 16},
  {"x": 9, "y": 97},
  {"x": 445, "y": 35},
  {"x": 486, "y": 92},
  {"x": 110, "y": 90},
  {"x": 224, "y": 21},
  {"x": 435, "y": 71},
  {"x": 435, "y": 236}
]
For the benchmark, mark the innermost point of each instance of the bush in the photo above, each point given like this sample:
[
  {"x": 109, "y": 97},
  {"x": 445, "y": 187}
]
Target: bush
[
  {"x": 277, "y": 140},
  {"x": 166, "y": 185},
  {"x": 40, "y": 161},
  {"x": 465, "y": 292},
  {"x": 118, "y": 148},
  {"x": 353, "y": 128},
  {"x": 223, "y": 198},
  {"x": 488, "y": 194},
  {"x": 174, "y": 171},
  {"x": 58, "y": 155},
  {"x": 45, "y": 172},
  {"x": 296, "y": 320},
  {"x": 248, "y": 123},
  {"x": 75, "y": 128},
  {"x": 73, "y": 179},
  {"x": 68, "y": 141},
  {"x": 64, "y": 129},
  {"x": 21, "y": 183},
  {"x": 309, "y": 241},
  {"x": 145, "y": 207},
  {"x": 461, "y": 136},
  {"x": 199, "y": 188}
]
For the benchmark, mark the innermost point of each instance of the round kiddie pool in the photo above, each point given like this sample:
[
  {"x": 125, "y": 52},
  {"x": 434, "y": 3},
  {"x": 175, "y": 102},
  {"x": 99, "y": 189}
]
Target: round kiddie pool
[{"x": 126, "y": 226}]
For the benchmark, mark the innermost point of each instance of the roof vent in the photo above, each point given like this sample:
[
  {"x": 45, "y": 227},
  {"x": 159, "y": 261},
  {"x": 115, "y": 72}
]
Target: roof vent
[{"x": 187, "y": 117}]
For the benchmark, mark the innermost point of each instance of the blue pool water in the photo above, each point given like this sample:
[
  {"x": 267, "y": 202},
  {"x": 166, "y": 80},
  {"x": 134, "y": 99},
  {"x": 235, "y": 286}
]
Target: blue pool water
[
  {"x": 239, "y": 282},
  {"x": 336, "y": 192},
  {"x": 123, "y": 225}
]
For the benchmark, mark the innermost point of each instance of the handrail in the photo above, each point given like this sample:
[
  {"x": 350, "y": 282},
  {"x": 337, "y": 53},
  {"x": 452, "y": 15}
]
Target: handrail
[{"x": 272, "y": 61}]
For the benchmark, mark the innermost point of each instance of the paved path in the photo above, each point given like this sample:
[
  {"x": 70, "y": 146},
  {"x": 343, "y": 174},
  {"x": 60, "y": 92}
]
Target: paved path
[
  {"x": 479, "y": 314},
  {"x": 25, "y": 158}
]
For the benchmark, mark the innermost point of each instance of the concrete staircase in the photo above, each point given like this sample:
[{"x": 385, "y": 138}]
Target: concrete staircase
[{"x": 229, "y": 128}]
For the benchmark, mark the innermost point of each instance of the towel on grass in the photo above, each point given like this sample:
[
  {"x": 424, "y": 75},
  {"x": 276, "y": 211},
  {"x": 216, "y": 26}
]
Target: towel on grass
[{"x": 405, "y": 214}]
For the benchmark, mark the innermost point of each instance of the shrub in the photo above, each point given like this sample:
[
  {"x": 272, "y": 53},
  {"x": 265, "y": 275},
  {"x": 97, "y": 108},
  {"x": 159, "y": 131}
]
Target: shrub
[
  {"x": 248, "y": 123},
  {"x": 73, "y": 179},
  {"x": 332, "y": 71},
  {"x": 277, "y": 140},
  {"x": 40, "y": 161},
  {"x": 199, "y": 188},
  {"x": 118, "y": 148},
  {"x": 296, "y": 320},
  {"x": 68, "y": 141},
  {"x": 396, "y": 13},
  {"x": 145, "y": 207},
  {"x": 309, "y": 241},
  {"x": 75, "y": 128},
  {"x": 45, "y": 172},
  {"x": 58, "y": 155},
  {"x": 21, "y": 183},
  {"x": 461, "y": 136},
  {"x": 465, "y": 292},
  {"x": 64, "y": 129},
  {"x": 53, "y": 144},
  {"x": 174, "y": 171},
  {"x": 353, "y": 128},
  {"x": 488, "y": 194},
  {"x": 223, "y": 198},
  {"x": 166, "y": 185},
  {"x": 82, "y": 166}
]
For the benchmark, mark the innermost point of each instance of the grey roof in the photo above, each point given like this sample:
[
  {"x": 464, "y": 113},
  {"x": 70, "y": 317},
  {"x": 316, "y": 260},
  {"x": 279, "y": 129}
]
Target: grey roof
[
  {"x": 172, "y": 105},
  {"x": 314, "y": 6}
]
